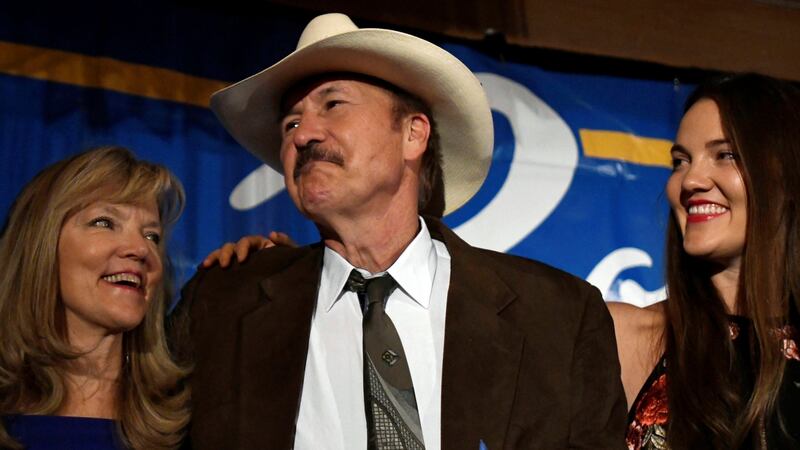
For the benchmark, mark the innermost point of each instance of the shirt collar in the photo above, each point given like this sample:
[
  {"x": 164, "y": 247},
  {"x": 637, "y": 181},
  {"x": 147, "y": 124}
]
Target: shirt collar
[
  {"x": 416, "y": 266},
  {"x": 335, "y": 271},
  {"x": 413, "y": 271}
]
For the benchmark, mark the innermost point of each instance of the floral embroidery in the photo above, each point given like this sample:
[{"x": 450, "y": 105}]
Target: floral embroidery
[
  {"x": 786, "y": 335},
  {"x": 733, "y": 327},
  {"x": 648, "y": 429}
]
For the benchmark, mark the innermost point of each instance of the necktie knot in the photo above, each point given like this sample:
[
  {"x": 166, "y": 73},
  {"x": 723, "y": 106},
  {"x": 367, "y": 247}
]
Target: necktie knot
[
  {"x": 356, "y": 282},
  {"x": 376, "y": 289}
]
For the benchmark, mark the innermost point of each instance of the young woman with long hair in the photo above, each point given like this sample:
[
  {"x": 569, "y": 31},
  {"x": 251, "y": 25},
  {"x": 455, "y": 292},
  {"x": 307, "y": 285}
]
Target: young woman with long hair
[{"x": 716, "y": 365}]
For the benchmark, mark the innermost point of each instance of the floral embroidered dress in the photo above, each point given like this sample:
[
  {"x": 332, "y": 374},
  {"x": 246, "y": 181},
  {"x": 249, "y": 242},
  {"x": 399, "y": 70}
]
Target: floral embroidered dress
[{"x": 647, "y": 420}]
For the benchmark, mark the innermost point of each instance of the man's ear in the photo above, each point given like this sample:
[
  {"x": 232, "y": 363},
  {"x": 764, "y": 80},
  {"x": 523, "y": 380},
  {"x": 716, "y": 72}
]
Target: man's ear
[{"x": 418, "y": 130}]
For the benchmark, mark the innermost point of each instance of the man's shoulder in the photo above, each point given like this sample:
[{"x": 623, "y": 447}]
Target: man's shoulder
[
  {"x": 521, "y": 270},
  {"x": 242, "y": 277},
  {"x": 259, "y": 264},
  {"x": 533, "y": 281}
]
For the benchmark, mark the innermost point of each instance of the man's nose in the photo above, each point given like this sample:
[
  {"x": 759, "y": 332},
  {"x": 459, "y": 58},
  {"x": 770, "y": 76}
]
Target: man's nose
[{"x": 309, "y": 129}]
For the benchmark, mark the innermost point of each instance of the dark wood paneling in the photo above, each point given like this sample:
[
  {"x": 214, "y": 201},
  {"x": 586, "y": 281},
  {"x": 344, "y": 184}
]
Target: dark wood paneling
[{"x": 728, "y": 35}]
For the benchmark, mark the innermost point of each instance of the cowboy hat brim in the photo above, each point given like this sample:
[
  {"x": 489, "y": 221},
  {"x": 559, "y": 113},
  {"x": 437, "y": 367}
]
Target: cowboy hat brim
[{"x": 250, "y": 109}]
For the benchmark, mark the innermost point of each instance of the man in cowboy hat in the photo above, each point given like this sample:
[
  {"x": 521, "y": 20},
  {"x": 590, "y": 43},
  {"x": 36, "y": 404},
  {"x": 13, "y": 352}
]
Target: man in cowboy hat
[{"x": 392, "y": 332}]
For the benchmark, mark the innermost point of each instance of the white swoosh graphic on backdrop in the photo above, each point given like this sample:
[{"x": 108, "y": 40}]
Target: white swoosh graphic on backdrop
[
  {"x": 259, "y": 186},
  {"x": 605, "y": 273},
  {"x": 545, "y": 158}
]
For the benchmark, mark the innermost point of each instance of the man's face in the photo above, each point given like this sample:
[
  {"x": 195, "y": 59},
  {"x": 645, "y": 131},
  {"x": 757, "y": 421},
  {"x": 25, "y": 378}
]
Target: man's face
[{"x": 342, "y": 152}]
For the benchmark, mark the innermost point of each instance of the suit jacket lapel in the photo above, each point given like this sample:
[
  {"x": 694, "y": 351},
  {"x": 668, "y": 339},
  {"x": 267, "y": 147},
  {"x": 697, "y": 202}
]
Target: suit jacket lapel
[
  {"x": 482, "y": 353},
  {"x": 274, "y": 345}
]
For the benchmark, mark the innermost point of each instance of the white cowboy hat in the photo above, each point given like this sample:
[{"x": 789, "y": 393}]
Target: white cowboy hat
[{"x": 250, "y": 109}]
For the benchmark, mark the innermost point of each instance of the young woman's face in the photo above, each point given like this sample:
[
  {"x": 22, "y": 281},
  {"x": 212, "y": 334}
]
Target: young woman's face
[
  {"x": 109, "y": 266},
  {"x": 706, "y": 191}
]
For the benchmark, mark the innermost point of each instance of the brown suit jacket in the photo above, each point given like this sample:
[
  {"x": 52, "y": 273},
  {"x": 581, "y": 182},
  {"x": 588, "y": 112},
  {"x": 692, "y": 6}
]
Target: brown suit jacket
[{"x": 529, "y": 354}]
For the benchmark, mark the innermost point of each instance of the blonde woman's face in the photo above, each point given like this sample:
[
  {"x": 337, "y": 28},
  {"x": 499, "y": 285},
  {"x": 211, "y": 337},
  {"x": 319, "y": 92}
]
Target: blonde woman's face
[{"x": 109, "y": 267}]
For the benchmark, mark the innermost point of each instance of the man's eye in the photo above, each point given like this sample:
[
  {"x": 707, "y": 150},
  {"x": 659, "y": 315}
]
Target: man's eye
[
  {"x": 102, "y": 222},
  {"x": 288, "y": 126},
  {"x": 155, "y": 237},
  {"x": 330, "y": 104}
]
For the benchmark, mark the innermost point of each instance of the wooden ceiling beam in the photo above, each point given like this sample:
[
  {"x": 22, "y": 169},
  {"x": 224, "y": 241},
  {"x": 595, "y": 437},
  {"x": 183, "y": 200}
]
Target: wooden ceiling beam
[{"x": 725, "y": 35}]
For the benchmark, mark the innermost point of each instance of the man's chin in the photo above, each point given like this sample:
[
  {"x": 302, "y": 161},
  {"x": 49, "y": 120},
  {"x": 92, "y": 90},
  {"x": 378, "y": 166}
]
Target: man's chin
[{"x": 314, "y": 207}]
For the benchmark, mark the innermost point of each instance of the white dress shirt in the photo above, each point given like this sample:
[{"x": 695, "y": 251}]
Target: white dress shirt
[{"x": 332, "y": 404}]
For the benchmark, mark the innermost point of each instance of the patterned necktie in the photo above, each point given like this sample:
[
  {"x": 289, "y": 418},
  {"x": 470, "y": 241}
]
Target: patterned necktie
[{"x": 391, "y": 407}]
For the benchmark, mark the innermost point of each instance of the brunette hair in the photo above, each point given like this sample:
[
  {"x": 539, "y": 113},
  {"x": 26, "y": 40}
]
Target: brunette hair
[
  {"x": 431, "y": 183},
  {"x": 152, "y": 407},
  {"x": 760, "y": 116}
]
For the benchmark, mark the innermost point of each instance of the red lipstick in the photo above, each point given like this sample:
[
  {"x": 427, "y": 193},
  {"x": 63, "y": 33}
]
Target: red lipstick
[{"x": 699, "y": 210}]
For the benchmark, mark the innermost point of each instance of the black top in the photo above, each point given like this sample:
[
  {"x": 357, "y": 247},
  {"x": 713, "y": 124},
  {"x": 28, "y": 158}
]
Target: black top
[{"x": 647, "y": 420}]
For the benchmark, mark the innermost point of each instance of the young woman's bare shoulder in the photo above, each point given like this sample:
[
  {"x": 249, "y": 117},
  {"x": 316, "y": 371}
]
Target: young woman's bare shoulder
[
  {"x": 639, "y": 342},
  {"x": 635, "y": 319}
]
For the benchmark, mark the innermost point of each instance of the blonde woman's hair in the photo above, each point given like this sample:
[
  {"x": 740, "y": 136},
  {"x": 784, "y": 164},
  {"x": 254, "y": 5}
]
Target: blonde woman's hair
[{"x": 152, "y": 407}]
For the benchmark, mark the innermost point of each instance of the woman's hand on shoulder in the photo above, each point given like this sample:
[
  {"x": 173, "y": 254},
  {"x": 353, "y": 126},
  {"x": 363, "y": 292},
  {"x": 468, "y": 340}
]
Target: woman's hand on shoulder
[{"x": 244, "y": 246}]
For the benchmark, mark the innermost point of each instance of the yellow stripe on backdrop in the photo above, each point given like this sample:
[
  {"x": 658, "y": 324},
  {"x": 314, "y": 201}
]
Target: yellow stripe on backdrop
[
  {"x": 106, "y": 73},
  {"x": 165, "y": 84},
  {"x": 626, "y": 147}
]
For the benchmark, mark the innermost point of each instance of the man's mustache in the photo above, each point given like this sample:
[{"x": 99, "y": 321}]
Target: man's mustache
[{"x": 315, "y": 152}]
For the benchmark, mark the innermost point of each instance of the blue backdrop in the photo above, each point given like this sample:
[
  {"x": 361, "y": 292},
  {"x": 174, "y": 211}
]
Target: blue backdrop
[{"x": 577, "y": 177}]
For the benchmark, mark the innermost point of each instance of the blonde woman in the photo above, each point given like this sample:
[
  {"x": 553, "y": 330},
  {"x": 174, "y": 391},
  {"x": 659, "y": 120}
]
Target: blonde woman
[{"x": 83, "y": 292}]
